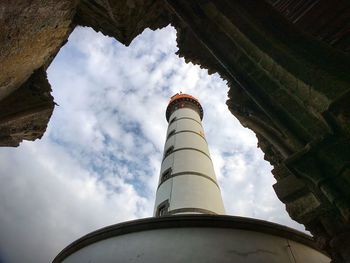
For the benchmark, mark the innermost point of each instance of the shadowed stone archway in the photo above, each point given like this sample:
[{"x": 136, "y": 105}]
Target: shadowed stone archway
[{"x": 287, "y": 68}]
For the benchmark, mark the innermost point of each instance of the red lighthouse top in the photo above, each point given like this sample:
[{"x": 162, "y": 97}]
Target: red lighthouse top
[{"x": 181, "y": 100}]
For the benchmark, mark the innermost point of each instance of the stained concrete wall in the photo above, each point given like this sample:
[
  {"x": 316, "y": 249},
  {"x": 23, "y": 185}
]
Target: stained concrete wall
[{"x": 204, "y": 245}]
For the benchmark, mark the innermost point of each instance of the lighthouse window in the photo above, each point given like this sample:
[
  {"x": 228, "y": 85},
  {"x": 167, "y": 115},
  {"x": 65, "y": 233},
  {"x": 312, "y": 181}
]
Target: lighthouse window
[
  {"x": 171, "y": 133},
  {"x": 166, "y": 174},
  {"x": 163, "y": 208},
  {"x": 168, "y": 151}
]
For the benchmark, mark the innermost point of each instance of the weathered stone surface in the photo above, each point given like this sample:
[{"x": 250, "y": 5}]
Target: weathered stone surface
[
  {"x": 303, "y": 206},
  {"x": 332, "y": 18},
  {"x": 290, "y": 88},
  {"x": 123, "y": 20},
  {"x": 24, "y": 113},
  {"x": 31, "y": 33},
  {"x": 341, "y": 243},
  {"x": 289, "y": 187}
]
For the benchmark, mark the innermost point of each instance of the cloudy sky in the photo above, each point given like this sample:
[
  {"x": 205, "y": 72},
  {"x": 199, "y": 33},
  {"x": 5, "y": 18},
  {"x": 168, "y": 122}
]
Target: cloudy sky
[{"x": 99, "y": 160}]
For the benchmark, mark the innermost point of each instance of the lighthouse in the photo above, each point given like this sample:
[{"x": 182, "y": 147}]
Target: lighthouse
[
  {"x": 189, "y": 224},
  {"x": 187, "y": 181}
]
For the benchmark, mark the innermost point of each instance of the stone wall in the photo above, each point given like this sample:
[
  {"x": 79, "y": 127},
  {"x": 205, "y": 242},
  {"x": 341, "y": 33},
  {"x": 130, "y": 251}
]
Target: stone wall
[
  {"x": 24, "y": 113},
  {"x": 326, "y": 20},
  {"x": 31, "y": 34},
  {"x": 291, "y": 90}
]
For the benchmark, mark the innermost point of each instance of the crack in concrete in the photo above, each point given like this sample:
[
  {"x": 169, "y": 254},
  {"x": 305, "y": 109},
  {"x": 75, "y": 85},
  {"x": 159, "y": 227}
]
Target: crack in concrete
[{"x": 248, "y": 253}]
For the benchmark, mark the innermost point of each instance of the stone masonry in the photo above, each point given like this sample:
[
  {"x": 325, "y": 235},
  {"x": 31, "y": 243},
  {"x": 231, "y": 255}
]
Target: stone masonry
[{"x": 286, "y": 64}]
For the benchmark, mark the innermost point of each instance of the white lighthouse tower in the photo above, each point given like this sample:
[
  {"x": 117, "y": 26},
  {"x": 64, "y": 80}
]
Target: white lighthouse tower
[
  {"x": 199, "y": 232},
  {"x": 187, "y": 182}
]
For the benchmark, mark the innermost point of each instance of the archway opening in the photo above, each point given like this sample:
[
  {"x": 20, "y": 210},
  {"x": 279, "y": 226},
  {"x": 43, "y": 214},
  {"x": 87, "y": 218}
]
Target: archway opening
[{"x": 99, "y": 161}]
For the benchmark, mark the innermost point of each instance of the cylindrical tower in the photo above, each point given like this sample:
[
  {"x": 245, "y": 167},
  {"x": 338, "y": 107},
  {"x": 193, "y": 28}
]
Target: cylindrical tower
[{"x": 187, "y": 183}]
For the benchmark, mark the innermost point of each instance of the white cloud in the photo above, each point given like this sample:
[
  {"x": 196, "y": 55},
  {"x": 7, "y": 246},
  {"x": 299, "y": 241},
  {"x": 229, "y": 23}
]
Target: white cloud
[
  {"x": 48, "y": 199},
  {"x": 99, "y": 160}
]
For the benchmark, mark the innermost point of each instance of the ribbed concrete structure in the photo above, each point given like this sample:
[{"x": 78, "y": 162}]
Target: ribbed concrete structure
[{"x": 187, "y": 183}]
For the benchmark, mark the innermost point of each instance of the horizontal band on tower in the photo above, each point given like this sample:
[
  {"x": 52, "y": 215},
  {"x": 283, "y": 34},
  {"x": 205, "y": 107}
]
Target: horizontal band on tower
[
  {"x": 185, "y": 148},
  {"x": 191, "y": 209},
  {"x": 186, "y": 118},
  {"x": 189, "y": 173},
  {"x": 176, "y": 132}
]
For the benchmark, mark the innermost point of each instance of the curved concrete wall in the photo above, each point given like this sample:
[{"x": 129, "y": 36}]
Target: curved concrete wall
[
  {"x": 187, "y": 182},
  {"x": 197, "y": 240}
]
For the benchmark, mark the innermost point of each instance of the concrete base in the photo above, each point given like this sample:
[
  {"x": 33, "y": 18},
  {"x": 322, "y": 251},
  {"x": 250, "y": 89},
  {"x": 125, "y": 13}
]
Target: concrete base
[{"x": 194, "y": 238}]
